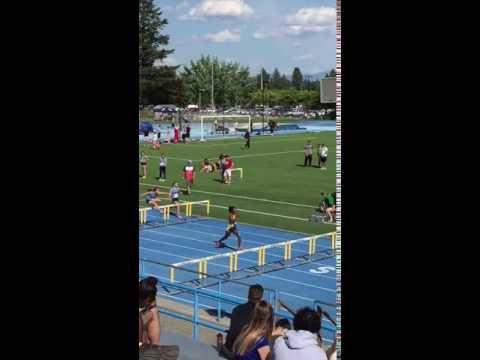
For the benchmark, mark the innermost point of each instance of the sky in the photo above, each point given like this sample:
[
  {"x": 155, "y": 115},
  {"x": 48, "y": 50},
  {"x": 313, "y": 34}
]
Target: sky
[{"x": 255, "y": 33}]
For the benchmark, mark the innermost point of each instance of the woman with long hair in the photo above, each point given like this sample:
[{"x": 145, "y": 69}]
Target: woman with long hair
[
  {"x": 148, "y": 311},
  {"x": 253, "y": 342}
]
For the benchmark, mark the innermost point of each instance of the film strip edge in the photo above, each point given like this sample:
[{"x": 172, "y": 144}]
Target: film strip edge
[{"x": 338, "y": 177}]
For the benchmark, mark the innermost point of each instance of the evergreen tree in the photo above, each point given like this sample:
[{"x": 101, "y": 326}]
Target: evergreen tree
[
  {"x": 297, "y": 79},
  {"x": 276, "y": 81},
  {"x": 156, "y": 83}
]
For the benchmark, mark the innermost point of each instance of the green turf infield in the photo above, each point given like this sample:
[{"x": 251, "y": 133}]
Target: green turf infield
[{"x": 276, "y": 189}]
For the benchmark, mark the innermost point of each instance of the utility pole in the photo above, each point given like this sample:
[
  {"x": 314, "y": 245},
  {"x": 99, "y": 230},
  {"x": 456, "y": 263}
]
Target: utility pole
[
  {"x": 263, "y": 101},
  {"x": 213, "y": 103}
]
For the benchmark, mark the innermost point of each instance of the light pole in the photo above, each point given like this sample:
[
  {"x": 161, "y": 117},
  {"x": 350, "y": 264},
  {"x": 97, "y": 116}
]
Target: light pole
[
  {"x": 200, "y": 99},
  {"x": 263, "y": 102}
]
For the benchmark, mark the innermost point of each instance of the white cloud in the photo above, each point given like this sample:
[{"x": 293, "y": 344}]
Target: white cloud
[
  {"x": 182, "y": 4},
  {"x": 310, "y": 20},
  {"x": 224, "y": 36},
  {"x": 219, "y": 8},
  {"x": 260, "y": 35},
  {"x": 303, "y": 57},
  {"x": 297, "y": 44}
]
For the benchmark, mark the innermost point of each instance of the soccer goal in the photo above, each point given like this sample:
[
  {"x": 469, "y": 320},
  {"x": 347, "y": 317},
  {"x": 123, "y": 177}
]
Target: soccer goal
[{"x": 221, "y": 125}]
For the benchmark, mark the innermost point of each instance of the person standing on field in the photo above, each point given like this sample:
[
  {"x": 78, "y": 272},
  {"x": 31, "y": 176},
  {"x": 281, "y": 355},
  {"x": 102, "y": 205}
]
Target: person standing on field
[
  {"x": 189, "y": 175},
  {"x": 322, "y": 159},
  {"x": 163, "y": 168},
  {"x": 308, "y": 150}
]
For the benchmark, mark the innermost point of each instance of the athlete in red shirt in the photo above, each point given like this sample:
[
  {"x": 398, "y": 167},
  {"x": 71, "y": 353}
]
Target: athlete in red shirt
[
  {"x": 228, "y": 170},
  {"x": 189, "y": 175}
]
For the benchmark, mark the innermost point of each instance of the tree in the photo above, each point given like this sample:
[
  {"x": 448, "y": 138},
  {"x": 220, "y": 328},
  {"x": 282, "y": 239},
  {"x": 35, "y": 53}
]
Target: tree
[
  {"x": 276, "y": 80},
  {"x": 154, "y": 81},
  {"x": 332, "y": 73},
  {"x": 266, "y": 79},
  {"x": 232, "y": 82},
  {"x": 297, "y": 78},
  {"x": 284, "y": 83}
]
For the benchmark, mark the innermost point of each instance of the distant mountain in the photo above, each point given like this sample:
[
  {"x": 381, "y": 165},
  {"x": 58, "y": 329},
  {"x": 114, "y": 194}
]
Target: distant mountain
[{"x": 312, "y": 77}]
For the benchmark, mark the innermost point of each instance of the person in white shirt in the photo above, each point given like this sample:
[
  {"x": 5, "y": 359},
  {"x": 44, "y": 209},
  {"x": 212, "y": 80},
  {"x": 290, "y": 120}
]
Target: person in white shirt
[
  {"x": 322, "y": 158},
  {"x": 303, "y": 343}
]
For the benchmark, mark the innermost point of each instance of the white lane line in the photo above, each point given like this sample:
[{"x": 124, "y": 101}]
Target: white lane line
[
  {"x": 262, "y": 226},
  {"x": 233, "y": 156},
  {"x": 238, "y": 196},
  {"x": 276, "y": 138},
  {"x": 225, "y": 266},
  {"x": 265, "y": 213}
]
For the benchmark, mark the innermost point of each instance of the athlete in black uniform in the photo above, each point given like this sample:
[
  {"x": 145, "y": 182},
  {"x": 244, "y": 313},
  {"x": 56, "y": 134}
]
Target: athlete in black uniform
[{"x": 231, "y": 229}]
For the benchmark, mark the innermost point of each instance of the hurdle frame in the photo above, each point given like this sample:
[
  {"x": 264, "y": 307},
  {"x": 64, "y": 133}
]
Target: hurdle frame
[
  {"x": 240, "y": 170},
  {"x": 261, "y": 250},
  {"x": 165, "y": 210}
]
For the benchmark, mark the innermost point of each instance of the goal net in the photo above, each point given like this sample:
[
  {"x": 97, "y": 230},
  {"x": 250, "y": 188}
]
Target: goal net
[{"x": 224, "y": 125}]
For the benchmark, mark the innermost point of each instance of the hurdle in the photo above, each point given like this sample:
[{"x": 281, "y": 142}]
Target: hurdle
[
  {"x": 261, "y": 254},
  {"x": 240, "y": 170},
  {"x": 165, "y": 210}
]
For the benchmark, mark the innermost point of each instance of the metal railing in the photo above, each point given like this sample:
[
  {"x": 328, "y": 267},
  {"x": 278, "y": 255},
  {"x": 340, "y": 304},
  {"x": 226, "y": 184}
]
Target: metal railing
[{"x": 218, "y": 296}]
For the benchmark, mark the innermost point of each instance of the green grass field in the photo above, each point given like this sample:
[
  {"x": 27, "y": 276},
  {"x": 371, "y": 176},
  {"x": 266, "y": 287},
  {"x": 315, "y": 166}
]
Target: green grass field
[{"x": 273, "y": 176}]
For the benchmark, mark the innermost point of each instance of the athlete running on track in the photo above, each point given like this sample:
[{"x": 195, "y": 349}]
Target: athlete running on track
[
  {"x": 152, "y": 197},
  {"x": 231, "y": 229}
]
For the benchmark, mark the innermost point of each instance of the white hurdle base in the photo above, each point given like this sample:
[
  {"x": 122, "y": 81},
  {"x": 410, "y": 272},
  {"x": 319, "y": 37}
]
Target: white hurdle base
[{"x": 240, "y": 170}]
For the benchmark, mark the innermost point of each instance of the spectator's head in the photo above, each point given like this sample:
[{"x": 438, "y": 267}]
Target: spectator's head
[
  {"x": 255, "y": 293},
  {"x": 260, "y": 325},
  {"x": 147, "y": 291},
  {"x": 283, "y": 324},
  {"x": 189, "y": 162},
  {"x": 143, "y": 153},
  {"x": 307, "y": 319},
  {"x": 163, "y": 155},
  {"x": 174, "y": 184}
]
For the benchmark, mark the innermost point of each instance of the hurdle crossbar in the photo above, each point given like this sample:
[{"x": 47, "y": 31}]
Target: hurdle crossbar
[
  {"x": 165, "y": 210},
  {"x": 287, "y": 245}
]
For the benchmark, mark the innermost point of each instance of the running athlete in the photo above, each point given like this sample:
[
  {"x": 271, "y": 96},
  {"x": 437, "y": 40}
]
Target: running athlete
[
  {"x": 152, "y": 197},
  {"x": 231, "y": 229},
  {"x": 189, "y": 175},
  {"x": 175, "y": 197},
  {"x": 143, "y": 163}
]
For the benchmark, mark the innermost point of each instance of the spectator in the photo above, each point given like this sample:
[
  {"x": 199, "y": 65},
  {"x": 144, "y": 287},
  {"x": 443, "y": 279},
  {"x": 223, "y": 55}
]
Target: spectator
[
  {"x": 163, "y": 168},
  {"x": 247, "y": 138},
  {"x": 144, "y": 163},
  {"x": 156, "y": 140},
  {"x": 221, "y": 161},
  {"x": 176, "y": 135},
  {"x": 322, "y": 158},
  {"x": 303, "y": 343},
  {"x": 331, "y": 209},
  {"x": 148, "y": 311},
  {"x": 189, "y": 175},
  {"x": 253, "y": 342},
  {"x": 241, "y": 316},
  {"x": 308, "y": 154},
  {"x": 281, "y": 326}
]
